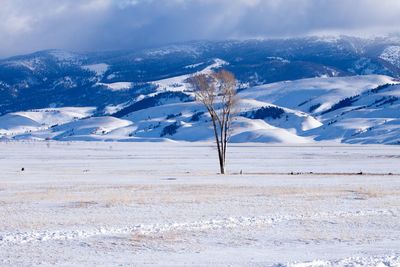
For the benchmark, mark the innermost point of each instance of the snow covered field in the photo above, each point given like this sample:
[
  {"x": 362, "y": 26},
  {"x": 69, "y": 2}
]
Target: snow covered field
[{"x": 162, "y": 204}]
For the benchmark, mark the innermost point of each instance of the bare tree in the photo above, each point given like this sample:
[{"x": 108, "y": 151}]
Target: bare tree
[{"x": 217, "y": 92}]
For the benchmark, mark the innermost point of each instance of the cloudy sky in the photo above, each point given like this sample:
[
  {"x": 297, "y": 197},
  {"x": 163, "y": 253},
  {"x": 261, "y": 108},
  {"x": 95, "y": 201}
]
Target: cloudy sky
[{"x": 30, "y": 25}]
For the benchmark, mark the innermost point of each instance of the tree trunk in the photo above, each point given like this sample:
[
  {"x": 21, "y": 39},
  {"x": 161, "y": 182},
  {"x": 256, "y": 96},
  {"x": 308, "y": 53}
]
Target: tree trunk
[
  {"x": 221, "y": 162},
  {"x": 222, "y": 168},
  {"x": 219, "y": 148}
]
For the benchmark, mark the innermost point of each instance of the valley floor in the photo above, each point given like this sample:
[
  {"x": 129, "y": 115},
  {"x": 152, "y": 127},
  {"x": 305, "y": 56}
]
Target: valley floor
[{"x": 162, "y": 204}]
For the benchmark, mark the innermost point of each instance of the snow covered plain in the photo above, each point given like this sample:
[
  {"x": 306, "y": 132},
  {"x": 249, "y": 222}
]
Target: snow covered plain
[{"x": 162, "y": 204}]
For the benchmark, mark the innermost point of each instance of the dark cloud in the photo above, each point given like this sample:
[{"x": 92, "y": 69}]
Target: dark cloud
[{"x": 120, "y": 24}]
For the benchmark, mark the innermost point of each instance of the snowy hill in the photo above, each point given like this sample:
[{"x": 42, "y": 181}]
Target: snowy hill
[
  {"x": 356, "y": 109},
  {"x": 43, "y": 119},
  {"x": 292, "y": 91}
]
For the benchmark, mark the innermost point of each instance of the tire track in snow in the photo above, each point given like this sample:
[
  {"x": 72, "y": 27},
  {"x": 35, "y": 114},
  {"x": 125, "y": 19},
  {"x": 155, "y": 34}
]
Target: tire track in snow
[
  {"x": 226, "y": 223},
  {"x": 383, "y": 261},
  {"x": 149, "y": 229}
]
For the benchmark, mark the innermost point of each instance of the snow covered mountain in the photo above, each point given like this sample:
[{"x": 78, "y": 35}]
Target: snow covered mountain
[{"x": 292, "y": 91}]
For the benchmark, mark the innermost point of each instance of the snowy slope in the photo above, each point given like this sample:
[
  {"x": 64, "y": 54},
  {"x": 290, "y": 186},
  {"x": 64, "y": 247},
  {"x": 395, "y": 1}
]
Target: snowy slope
[
  {"x": 356, "y": 109},
  {"x": 99, "y": 69},
  {"x": 370, "y": 117},
  {"x": 392, "y": 54},
  {"x": 179, "y": 83},
  {"x": 117, "y": 86},
  {"x": 41, "y": 119},
  {"x": 303, "y": 94}
]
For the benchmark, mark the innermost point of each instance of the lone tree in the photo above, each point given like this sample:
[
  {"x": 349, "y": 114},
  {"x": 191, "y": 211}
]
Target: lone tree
[{"x": 217, "y": 92}]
